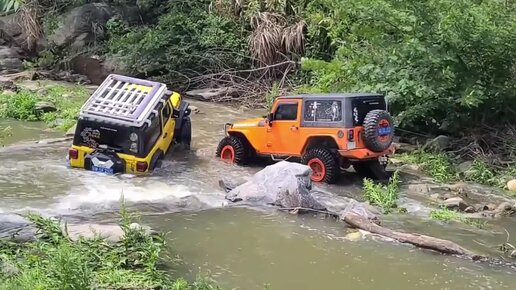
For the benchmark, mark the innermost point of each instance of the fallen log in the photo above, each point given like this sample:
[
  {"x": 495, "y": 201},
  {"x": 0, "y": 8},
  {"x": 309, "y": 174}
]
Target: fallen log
[
  {"x": 422, "y": 241},
  {"x": 374, "y": 227}
]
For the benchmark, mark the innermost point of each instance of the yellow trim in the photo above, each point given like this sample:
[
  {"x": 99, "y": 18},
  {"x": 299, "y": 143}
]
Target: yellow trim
[
  {"x": 175, "y": 99},
  {"x": 141, "y": 88}
]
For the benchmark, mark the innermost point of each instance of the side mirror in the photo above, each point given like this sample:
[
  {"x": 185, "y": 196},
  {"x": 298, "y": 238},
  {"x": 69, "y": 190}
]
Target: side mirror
[{"x": 269, "y": 118}]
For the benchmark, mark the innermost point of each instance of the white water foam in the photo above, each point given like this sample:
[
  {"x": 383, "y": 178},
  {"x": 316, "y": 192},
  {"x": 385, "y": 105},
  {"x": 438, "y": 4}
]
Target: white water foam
[{"x": 104, "y": 193}]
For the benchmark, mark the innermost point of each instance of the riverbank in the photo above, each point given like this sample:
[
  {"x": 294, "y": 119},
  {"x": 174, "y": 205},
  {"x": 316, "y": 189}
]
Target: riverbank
[{"x": 54, "y": 259}]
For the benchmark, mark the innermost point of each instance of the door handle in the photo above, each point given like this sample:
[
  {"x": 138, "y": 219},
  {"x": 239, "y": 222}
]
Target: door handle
[
  {"x": 165, "y": 135},
  {"x": 293, "y": 128}
]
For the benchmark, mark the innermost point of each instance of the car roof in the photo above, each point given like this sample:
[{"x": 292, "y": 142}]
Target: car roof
[{"x": 332, "y": 95}]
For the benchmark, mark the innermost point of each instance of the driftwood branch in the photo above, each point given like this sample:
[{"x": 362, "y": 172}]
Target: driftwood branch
[{"x": 422, "y": 241}]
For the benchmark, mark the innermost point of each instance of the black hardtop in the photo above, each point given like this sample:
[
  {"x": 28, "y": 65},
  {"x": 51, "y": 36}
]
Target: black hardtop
[{"x": 332, "y": 96}]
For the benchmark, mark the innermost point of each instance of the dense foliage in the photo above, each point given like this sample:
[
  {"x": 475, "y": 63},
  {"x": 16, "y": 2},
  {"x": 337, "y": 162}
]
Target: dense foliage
[
  {"x": 186, "y": 40},
  {"x": 445, "y": 64}
]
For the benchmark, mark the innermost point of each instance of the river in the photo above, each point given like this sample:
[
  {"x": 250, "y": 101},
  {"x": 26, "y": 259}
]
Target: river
[{"x": 246, "y": 248}]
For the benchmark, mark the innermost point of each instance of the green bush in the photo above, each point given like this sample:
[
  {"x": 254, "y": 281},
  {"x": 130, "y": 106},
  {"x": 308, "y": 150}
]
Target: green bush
[
  {"x": 68, "y": 101},
  {"x": 186, "y": 40},
  {"x": 385, "y": 196},
  {"x": 438, "y": 165},
  {"x": 445, "y": 65}
]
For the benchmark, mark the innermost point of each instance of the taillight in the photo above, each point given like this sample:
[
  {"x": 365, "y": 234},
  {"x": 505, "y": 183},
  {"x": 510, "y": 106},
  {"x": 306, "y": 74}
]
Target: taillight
[
  {"x": 351, "y": 135},
  {"x": 73, "y": 153},
  {"x": 141, "y": 166}
]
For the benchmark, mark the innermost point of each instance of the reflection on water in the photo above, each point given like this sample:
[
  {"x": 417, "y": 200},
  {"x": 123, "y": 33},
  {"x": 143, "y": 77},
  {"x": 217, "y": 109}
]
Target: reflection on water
[{"x": 242, "y": 248}]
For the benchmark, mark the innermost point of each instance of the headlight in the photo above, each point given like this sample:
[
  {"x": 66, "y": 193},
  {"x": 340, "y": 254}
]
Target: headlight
[{"x": 133, "y": 137}]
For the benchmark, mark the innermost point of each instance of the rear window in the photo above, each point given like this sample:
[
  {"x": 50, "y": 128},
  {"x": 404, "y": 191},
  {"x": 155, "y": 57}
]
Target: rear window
[
  {"x": 93, "y": 134},
  {"x": 363, "y": 106},
  {"x": 323, "y": 111}
]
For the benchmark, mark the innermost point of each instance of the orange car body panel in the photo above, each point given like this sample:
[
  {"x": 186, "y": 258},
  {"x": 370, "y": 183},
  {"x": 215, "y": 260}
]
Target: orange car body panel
[{"x": 289, "y": 138}]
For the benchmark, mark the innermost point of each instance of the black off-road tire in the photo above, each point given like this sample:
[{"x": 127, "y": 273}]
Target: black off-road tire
[
  {"x": 240, "y": 148},
  {"x": 185, "y": 135},
  {"x": 371, "y": 169},
  {"x": 330, "y": 161},
  {"x": 156, "y": 160},
  {"x": 370, "y": 134}
]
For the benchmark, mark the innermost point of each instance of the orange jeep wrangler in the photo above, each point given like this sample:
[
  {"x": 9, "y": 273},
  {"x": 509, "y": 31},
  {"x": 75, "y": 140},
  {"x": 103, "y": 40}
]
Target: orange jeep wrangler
[{"x": 328, "y": 132}]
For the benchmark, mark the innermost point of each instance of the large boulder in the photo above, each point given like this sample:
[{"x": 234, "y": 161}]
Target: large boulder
[
  {"x": 284, "y": 184},
  {"x": 85, "y": 24},
  {"x": 438, "y": 144},
  {"x": 10, "y": 60}
]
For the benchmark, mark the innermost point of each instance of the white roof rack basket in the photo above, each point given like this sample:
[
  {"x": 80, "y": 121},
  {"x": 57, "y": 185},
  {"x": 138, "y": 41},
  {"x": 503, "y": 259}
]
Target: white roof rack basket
[{"x": 124, "y": 100}]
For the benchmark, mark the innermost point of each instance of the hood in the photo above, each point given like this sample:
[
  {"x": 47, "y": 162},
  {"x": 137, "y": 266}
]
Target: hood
[{"x": 254, "y": 122}]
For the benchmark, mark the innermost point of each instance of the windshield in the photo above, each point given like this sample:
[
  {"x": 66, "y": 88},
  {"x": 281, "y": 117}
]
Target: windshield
[
  {"x": 363, "y": 106},
  {"x": 93, "y": 134}
]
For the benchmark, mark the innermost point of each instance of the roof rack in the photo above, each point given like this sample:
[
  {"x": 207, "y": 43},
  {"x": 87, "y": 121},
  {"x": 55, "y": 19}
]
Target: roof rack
[{"x": 124, "y": 100}]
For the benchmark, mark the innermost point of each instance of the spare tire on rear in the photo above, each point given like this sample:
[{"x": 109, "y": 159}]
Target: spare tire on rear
[{"x": 378, "y": 131}]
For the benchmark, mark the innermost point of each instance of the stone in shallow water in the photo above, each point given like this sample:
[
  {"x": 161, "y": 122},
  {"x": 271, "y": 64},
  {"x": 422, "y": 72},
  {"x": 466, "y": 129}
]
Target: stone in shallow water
[{"x": 285, "y": 184}]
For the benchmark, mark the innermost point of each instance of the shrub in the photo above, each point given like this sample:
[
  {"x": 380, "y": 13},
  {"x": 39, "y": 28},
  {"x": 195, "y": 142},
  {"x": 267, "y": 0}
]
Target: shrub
[
  {"x": 444, "y": 65},
  {"x": 186, "y": 40},
  {"x": 385, "y": 196},
  {"x": 437, "y": 165},
  {"x": 68, "y": 101}
]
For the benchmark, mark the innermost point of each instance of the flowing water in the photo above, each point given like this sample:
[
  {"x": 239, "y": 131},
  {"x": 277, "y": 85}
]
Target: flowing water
[{"x": 246, "y": 248}]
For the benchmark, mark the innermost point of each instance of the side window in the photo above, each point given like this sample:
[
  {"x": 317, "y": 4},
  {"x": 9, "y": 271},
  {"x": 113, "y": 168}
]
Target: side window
[
  {"x": 323, "y": 111},
  {"x": 152, "y": 133},
  {"x": 286, "y": 112}
]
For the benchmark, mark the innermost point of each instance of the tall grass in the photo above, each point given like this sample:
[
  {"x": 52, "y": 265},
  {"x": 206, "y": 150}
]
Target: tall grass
[{"x": 447, "y": 215}]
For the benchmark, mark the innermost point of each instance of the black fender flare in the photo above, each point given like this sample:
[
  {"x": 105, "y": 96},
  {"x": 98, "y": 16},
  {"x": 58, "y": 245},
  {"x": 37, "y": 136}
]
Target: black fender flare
[
  {"x": 180, "y": 114},
  {"x": 155, "y": 158}
]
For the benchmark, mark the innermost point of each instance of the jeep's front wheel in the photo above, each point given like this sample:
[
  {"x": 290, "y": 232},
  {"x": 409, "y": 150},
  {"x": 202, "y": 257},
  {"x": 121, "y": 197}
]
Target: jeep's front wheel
[
  {"x": 232, "y": 149},
  {"x": 324, "y": 165}
]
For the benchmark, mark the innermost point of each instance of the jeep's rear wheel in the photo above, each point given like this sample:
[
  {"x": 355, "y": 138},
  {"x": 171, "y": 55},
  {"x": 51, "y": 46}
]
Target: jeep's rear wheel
[
  {"x": 378, "y": 131},
  {"x": 324, "y": 165},
  {"x": 233, "y": 150}
]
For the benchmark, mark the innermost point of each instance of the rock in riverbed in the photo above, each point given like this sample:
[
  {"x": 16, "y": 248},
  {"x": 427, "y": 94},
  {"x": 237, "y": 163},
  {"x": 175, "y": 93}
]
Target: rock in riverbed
[
  {"x": 287, "y": 185},
  {"x": 284, "y": 184},
  {"x": 455, "y": 203}
]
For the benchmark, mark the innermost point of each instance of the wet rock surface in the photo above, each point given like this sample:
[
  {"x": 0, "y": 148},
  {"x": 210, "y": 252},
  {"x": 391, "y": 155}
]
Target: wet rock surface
[{"x": 287, "y": 185}]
